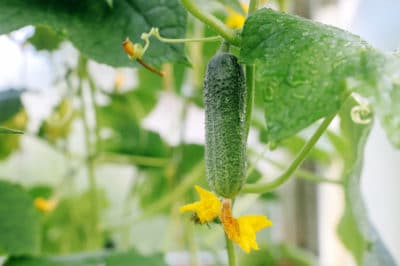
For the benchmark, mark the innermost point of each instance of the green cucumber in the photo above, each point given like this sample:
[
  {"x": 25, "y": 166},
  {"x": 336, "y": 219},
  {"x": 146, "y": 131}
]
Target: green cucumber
[{"x": 225, "y": 105}]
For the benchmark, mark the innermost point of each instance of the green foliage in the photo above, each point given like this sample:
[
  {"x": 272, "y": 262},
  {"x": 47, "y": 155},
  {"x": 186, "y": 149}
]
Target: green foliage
[
  {"x": 9, "y": 143},
  {"x": 383, "y": 92},
  {"x": 98, "y": 30},
  {"x": 127, "y": 258},
  {"x": 276, "y": 255},
  {"x": 45, "y": 39},
  {"x": 4, "y": 130},
  {"x": 68, "y": 227},
  {"x": 157, "y": 183},
  {"x": 57, "y": 126},
  {"x": 12, "y": 121},
  {"x": 303, "y": 68},
  {"x": 122, "y": 118},
  {"x": 305, "y": 71},
  {"x": 355, "y": 229},
  {"x": 42, "y": 191},
  {"x": 10, "y": 104},
  {"x": 19, "y": 223}
]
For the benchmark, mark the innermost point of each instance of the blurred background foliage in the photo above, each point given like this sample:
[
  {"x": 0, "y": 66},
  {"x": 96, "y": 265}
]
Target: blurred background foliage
[{"x": 99, "y": 178}]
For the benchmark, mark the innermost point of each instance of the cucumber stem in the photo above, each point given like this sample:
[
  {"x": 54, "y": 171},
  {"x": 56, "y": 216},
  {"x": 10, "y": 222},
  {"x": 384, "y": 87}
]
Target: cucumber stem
[
  {"x": 224, "y": 48},
  {"x": 212, "y": 21},
  {"x": 230, "y": 249}
]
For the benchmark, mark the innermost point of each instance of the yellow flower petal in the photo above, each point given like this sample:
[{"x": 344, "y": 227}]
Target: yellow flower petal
[
  {"x": 207, "y": 208},
  {"x": 235, "y": 20},
  {"x": 243, "y": 229},
  {"x": 45, "y": 205},
  {"x": 248, "y": 227}
]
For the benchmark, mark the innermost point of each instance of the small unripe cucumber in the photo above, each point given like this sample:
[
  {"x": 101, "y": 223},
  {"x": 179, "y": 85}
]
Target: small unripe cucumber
[{"x": 225, "y": 105}]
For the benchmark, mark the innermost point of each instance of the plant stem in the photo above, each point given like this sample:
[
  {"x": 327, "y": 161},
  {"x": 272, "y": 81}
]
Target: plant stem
[
  {"x": 253, "y": 6},
  {"x": 262, "y": 188},
  {"x": 300, "y": 173},
  {"x": 204, "y": 39},
  {"x": 150, "y": 68},
  {"x": 212, "y": 21},
  {"x": 250, "y": 78},
  {"x": 82, "y": 72},
  {"x": 250, "y": 86},
  {"x": 193, "y": 248},
  {"x": 230, "y": 249},
  {"x": 282, "y": 5},
  {"x": 306, "y": 175}
]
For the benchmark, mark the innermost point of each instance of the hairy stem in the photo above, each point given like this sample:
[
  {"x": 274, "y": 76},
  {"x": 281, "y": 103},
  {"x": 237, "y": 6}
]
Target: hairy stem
[
  {"x": 212, "y": 21},
  {"x": 230, "y": 249},
  {"x": 262, "y": 188}
]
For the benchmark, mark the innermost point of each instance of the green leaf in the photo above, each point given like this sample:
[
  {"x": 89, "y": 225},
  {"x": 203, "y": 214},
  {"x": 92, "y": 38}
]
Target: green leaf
[
  {"x": 133, "y": 258},
  {"x": 303, "y": 68},
  {"x": 19, "y": 221},
  {"x": 97, "y": 30},
  {"x": 355, "y": 229},
  {"x": 127, "y": 137},
  {"x": 69, "y": 227},
  {"x": 279, "y": 254},
  {"x": 11, "y": 142},
  {"x": 45, "y": 39},
  {"x": 40, "y": 191},
  {"x": 127, "y": 258},
  {"x": 10, "y": 104},
  {"x": 383, "y": 91},
  {"x": 4, "y": 130}
]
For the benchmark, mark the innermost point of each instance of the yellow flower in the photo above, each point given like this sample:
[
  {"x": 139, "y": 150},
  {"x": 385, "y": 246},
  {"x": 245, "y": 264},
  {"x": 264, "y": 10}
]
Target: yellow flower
[
  {"x": 243, "y": 229},
  {"x": 207, "y": 208},
  {"x": 249, "y": 225},
  {"x": 45, "y": 205},
  {"x": 235, "y": 20}
]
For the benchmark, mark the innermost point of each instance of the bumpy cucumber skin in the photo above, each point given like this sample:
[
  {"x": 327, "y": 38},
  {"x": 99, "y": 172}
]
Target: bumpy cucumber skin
[{"x": 225, "y": 105}]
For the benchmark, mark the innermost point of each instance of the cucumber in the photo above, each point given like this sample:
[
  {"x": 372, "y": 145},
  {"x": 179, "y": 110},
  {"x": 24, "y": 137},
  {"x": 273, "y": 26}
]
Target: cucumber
[{"x": 225, "y": 105}]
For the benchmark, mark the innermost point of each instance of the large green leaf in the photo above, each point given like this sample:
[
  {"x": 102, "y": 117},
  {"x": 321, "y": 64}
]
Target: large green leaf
[
  {"x": 98, "y": 30},
  {"x": 127, "y": 258},
  {"x": 19, "y": 221},
  {"x": 355, "y": 229},
  {"x": 304, "y": 68},
  {"x": 383, "y": 91}
]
